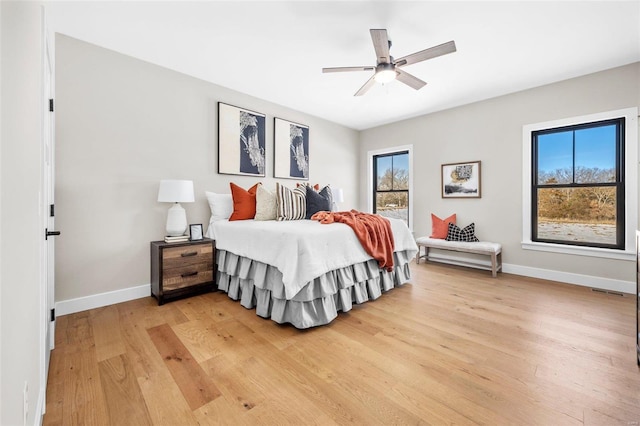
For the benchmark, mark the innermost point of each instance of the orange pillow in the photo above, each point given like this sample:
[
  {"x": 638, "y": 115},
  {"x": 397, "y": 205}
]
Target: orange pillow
[
  {"x": 316, "y": 187},
  {"x": 244, "y": 202},
  {"x": 440, "y": 227}
]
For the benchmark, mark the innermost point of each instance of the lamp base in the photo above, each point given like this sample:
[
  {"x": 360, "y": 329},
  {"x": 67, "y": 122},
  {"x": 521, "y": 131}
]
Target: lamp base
[{"x": 176, "y": 221}]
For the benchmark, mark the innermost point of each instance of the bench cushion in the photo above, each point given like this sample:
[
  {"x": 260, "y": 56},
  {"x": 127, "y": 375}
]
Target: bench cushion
[{"x": 470, "y": 247}]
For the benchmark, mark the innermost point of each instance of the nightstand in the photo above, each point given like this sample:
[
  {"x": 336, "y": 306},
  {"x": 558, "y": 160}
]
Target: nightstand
[{"x": 182, "y": 269}]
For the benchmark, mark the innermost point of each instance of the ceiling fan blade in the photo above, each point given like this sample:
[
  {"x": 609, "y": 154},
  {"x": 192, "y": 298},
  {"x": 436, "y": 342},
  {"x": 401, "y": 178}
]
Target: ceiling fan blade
[
  {"x": 343, "y": 69},
  {"x": 365, "y": 88},
  {"x": 423, "y": 55},
  {"x": 381, "y": 45},
  {"x": 409, "y": 79}
]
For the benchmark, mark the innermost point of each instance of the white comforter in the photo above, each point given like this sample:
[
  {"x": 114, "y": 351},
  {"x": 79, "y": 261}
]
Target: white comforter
[{"x": 301, "y": 249}]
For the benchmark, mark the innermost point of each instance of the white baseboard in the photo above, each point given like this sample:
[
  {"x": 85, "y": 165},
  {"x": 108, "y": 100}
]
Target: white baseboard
[
  {"x": 545, "y": 274},
  {"x": 40, "y": 406},
  {"x": 571, "y": 278},
  {"x": 65, "y": 307}
]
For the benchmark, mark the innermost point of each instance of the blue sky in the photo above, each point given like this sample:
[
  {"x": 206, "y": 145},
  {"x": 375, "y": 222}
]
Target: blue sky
[
  {"x": 595, "y": 147},
  {"x": 399, "y": 162}
]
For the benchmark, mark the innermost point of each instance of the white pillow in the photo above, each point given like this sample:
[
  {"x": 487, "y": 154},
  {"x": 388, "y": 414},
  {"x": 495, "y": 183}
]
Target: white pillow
[
  {"x": 266, "y": 205},
  {"x": 221, "y": 205},
  {"x": 211, "y": 233}
]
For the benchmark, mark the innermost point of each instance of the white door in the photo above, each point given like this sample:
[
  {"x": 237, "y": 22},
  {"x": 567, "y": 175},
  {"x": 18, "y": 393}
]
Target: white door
[{"x": 48, "y": 255}]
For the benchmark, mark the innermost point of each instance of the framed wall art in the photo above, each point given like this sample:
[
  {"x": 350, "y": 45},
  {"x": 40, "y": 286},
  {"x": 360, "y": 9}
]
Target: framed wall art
[
  {"x": 461, "y": 180},
  {"x": 291, "y": 150},
  {"x": 241, "y": 141}
]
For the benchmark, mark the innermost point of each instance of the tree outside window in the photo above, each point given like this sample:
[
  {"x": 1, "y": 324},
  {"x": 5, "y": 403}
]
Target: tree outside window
[
  {"x": 391, "y": 189},
  {"x": 578, "y": 186}
]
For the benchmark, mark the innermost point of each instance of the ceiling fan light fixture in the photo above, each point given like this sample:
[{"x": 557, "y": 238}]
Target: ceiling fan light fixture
[
  {"x": 385, "y": 73},
  {"x": 385, "y": 76}
]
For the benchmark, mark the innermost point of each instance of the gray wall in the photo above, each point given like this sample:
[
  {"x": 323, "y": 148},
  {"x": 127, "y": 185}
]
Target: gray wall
[
  {"x": 122, "y": 125},
  {"x": 21, "y": 227},
  {"x": 491, "y": 131}
]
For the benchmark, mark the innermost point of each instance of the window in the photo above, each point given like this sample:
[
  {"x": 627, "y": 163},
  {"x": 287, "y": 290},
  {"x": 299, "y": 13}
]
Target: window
[
  {"x": 391, "y": 185},
  {"x": 578, "y": 185}
]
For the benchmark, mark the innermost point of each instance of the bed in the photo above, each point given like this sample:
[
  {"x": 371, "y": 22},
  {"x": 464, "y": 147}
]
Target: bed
[{"x": 303, "y": 272}]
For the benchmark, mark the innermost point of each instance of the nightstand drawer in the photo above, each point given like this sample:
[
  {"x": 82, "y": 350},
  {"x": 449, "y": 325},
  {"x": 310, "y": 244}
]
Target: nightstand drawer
[
  {"x": 178, "y": 257},
  {"x": 175, "y": 278}
]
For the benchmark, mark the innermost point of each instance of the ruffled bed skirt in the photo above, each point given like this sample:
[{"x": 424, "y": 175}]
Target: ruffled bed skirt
[{"x": 258, "y": 285}]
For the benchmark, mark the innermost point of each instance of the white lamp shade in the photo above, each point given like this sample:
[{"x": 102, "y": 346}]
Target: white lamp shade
[
  {"x": 176, "y": 191},
  {"x": 337, "y": 195}
]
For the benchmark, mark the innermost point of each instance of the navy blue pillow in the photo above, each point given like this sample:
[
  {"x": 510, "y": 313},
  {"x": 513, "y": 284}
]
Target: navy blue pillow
[{"x": 318, "y": 201}]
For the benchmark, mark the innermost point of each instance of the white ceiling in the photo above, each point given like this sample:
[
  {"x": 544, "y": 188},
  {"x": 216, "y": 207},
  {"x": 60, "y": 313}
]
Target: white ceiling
[{"x": 275, "y": 50}]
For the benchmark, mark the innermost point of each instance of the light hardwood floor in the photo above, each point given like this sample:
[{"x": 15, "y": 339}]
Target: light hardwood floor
[{"x": 453, "y": 347}]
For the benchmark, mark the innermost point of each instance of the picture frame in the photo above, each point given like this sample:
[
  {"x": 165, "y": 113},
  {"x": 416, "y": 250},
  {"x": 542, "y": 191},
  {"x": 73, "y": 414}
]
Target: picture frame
[
  {"x": 291, "y": 150},
  {"x": 461, "y": 180},
  {"x": 241, "y": 141},
  {"x": 195, "y": 232}
]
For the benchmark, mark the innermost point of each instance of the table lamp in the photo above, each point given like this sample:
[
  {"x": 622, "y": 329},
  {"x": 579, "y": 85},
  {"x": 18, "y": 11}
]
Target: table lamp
[
  {"x": 176, "y": 191},
  {"x": 338, "y": 197}
]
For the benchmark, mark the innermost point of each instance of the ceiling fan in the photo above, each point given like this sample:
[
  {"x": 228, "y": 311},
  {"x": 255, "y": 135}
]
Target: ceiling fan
[{"x": 388, "y": 68}]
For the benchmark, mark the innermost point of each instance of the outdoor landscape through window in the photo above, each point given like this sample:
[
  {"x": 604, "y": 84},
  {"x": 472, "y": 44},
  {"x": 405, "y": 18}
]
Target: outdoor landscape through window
[
  {"x": 578, "y": 185},
  {"x": 392, "y": 186}
]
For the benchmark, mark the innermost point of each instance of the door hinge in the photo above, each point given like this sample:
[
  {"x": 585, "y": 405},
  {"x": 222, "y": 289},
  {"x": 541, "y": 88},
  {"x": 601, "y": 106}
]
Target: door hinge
[
  {"x": 52, "y": 210},
  {"x": 51, "y": 105},
  {"x": 53, "y": 314}
]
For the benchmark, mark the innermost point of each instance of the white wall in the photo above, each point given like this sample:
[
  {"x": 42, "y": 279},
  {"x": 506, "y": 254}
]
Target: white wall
[
  {"x": 491, "y": 131},
  {"x": 1, "y": 139},
  {"x": 20, "y": 213},
  {"x": 123, "y": 124}
]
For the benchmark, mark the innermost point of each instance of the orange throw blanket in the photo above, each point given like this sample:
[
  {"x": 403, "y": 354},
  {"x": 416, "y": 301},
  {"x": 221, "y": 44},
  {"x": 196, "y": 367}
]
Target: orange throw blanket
[{"x": 373, "y": 232}]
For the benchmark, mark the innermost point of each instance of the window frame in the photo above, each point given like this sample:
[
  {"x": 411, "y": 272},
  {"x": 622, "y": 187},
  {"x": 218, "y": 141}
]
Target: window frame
[
  {"x": 618, "y": 184},
  {"x": 630, "y": 170},
  {"x": 372, "y": 179}
]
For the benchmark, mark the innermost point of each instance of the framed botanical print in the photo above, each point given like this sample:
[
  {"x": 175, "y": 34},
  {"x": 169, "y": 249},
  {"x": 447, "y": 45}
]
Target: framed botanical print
[
  {"x": 241, "y": 141},
  {"x": 461, "y": 180},
  {"x": 291, "y": 150}
]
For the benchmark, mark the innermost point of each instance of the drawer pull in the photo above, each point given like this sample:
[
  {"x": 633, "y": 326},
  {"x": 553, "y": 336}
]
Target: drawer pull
[
  {"x": 189, "y": 253},
  {"x": 189, "y": 274}
]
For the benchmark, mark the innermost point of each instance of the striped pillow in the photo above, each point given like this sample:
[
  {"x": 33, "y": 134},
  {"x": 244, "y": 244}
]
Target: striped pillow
[{"x": 291, "y": 203}]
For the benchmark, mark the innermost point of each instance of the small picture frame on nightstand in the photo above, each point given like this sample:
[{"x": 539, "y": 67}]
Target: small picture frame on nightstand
[{"x": 195, "y": 231}]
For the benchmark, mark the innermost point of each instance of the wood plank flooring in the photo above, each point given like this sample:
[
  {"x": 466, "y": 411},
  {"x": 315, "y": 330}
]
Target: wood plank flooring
[{"x": 453, "y": 347}]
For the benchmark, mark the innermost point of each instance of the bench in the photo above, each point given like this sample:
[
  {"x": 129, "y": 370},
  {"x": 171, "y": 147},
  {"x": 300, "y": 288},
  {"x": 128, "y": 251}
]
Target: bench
[{"x": 494, "y": 250}]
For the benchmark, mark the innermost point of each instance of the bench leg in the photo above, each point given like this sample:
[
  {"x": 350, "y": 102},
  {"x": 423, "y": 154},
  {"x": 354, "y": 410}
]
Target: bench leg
[
  {"x": 494, "y": 265},
  {"x": 419, "y": 255}
]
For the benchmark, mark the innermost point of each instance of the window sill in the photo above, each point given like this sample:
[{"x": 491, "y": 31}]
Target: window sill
[{"x": 580, "y": 251}]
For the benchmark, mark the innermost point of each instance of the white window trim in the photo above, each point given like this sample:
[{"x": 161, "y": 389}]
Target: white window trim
[
  {"x": 630, "y": 194},
  {"x": 370, "y": 155}
]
